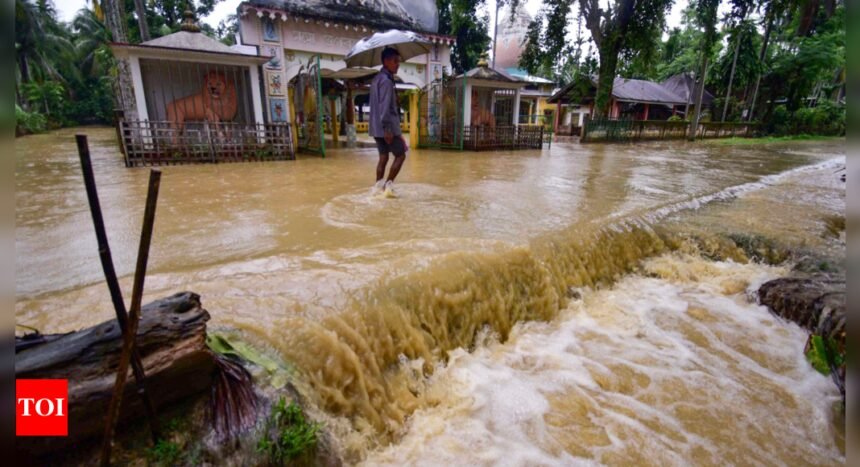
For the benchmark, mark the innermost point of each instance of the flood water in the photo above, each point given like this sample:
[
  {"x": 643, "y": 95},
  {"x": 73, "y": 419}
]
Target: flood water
[{"x": 514, "y": 308}]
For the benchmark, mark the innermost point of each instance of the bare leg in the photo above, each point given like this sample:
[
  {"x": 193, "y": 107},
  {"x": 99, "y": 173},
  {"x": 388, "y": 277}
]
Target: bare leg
[
  {"x": 395, "y": 167},
  {"x": 380, "y": 167}
]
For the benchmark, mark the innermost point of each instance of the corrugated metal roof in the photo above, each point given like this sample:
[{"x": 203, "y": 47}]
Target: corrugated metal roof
[
  {"x": 683, "y": 84},
  {"x": 642, "y": 91},
  {"x": 385, "y": 14},
  {"x": 638, "y": 90}
]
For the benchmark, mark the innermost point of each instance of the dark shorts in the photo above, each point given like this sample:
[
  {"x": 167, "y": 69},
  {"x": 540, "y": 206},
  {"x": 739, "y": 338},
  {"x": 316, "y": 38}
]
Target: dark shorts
[{"x": 396, "y": 147}]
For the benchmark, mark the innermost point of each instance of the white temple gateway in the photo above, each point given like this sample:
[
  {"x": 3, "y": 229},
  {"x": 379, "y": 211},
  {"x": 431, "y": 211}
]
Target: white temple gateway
[{"x": 307, "y": 41}]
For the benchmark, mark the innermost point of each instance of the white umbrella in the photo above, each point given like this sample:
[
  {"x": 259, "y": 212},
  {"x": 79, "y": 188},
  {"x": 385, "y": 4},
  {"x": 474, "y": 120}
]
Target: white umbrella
[{"x": 368, "y": 51}]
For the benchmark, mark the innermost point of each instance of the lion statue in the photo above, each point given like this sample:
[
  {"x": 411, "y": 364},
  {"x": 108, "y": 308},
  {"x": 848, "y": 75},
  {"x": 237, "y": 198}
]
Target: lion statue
[{"x": 217, "y": 102}]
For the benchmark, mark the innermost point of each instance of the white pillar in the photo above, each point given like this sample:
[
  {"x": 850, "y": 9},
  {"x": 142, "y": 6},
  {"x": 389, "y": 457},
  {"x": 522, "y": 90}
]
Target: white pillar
[
  {"x": 467, "y": 104},
  {"x": 255, "y": 95},
  {"x": 137, "y": 82},
  {"x": 516, "y": 107}
]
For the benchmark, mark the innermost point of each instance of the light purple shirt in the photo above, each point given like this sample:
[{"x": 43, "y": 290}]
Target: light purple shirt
[{"x": 384, "y": 115}]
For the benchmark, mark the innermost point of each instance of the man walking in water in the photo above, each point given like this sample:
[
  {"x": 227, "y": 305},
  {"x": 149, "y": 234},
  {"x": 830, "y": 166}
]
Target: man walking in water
[{"x": 385, "y": 121}]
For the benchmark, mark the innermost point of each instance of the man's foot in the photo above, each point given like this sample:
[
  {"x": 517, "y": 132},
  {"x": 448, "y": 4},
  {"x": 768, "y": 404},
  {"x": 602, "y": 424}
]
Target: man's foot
[
  {"x": 378, "y": 187},
  {"x": 389, "y": 189}
]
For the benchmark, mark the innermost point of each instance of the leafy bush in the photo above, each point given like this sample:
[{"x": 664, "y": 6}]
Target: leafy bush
[
  {"x": 288, "y": 435},
  {"x": 779, "y": 121},
  {"x": 28, "y": 122},
  {"x": 675, "y": 118},
  {"x": 164, "y": 453},
  {"x": 827, "y": 118}
]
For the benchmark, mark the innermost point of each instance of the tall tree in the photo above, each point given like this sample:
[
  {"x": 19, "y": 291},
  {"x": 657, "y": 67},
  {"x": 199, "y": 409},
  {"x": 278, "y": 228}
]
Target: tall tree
[
  {"x": 115, "y": 21},
  {"x": 42, "y": 45},
  {"x": 140, "y": 12},
  {"x": 459, "y": 18},
  {"x": 546, "y": 48},
  {"x": 626, "y": 27},
  {"x": 706, "y": 17},
  {"x": 738, "y": 15}
]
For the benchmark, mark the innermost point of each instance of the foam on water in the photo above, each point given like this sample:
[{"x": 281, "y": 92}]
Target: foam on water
[{"x": 674, "y": 369}]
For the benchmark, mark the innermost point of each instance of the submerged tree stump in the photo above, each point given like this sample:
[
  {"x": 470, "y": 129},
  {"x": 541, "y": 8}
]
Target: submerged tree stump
[{"x": 171, "y": 340}]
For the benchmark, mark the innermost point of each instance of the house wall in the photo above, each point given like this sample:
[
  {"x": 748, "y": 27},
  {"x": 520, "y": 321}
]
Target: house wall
[{"x": 294, "y": 42}]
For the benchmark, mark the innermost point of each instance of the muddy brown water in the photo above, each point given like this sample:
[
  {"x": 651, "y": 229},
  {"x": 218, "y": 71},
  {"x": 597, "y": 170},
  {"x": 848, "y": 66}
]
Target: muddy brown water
[{"x": 441, "y": 326}]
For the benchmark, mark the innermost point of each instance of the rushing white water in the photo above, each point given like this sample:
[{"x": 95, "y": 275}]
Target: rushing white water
[
  {"x": 675, "y": 369},
  {"x": 376, "y": 304}
]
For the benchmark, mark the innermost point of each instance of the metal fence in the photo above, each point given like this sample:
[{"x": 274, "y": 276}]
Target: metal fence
[
  {"x": 164, "y": 143},
  {"x": 483, "y": 138},
  {"x": 440, "y": 114},
  {"x": 609, "y": 130}
]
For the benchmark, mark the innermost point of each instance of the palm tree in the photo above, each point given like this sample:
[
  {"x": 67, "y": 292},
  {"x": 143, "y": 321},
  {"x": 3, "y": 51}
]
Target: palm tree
[
  {"x": 40, "y": 41},
  {"x": 91, "y": 39}
]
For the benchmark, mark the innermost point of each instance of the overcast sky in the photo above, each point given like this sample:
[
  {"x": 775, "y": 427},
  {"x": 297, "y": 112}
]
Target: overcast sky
[{"x": 68, "y": 8}]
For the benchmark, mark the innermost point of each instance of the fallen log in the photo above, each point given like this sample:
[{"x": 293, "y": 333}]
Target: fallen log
[{"x": 171, "y": 339}]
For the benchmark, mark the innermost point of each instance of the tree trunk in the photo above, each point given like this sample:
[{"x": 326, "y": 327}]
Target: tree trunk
[
  {"x": 115, "y": 22},
  {"x": 761, "y": 56},
  {"x": 606, "y": 75},
  {"x": 700, "y": 92},
  {"x": 496, "y": 31},
  {"x": 731, "y": 77},
  {"x": 140, "y": 11},
  {"x": 171, "y": 339}
]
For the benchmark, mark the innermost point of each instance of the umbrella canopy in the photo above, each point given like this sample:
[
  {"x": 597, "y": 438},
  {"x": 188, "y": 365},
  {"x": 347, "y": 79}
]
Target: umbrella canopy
[{"x": 368, "y": 51}]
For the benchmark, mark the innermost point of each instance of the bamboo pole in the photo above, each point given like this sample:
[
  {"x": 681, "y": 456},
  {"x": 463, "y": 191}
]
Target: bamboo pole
[
  {"x": 111, "y": 279},
  {"x": 133, "y": 315}
]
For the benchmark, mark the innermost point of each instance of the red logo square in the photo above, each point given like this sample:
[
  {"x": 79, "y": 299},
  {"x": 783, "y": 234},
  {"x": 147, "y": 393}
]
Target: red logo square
[{"x": 41, "y": 407}]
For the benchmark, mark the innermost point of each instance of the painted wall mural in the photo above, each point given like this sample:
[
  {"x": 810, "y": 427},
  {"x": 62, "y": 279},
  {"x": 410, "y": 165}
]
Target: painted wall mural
[
  {"x": 271, "y": 30},
  {"x": 275, "y": 83},
  {"x": 277, "y": 110}
]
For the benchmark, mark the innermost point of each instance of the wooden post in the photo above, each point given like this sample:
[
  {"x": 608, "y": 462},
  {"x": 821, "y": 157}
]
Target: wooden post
[
  {"x": 294, "y": 123},
  {"x": 111, "y": 279},
  {"x": 133, "y": 314},
  {"x": 413, "y": 119}
]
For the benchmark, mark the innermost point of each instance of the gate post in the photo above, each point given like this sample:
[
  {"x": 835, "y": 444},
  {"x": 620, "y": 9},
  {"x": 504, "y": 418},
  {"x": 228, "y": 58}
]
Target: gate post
[{"x": 413, "y": 118}]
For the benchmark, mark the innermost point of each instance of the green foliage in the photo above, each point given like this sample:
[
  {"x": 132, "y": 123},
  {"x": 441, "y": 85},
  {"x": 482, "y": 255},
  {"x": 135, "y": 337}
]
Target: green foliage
[
  {"x": 459, "y": 18},
  {"x": 165, "y": 453},
  {"x": 228, "y": 29},
  {"x": 288, "y": 435},
  {"x": 826, "y": 118},
  {"x": 682, "y": 50},
  {"x": 28, "y": 122},
  {"x": 748, "y": 66},
  {"x": 823, "y": 354},
  {"x": 675, "y": 118},
  {"x": 46, "y": 94},
  {"x": 626, "y": 32}
]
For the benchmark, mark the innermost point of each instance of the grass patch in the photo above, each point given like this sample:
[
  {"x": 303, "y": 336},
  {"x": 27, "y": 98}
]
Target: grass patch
[
  {"x": 772, "y": 139},
  {"x": 164, "y": 453},
  {"x": 834, "y": 224},
  {"x": 288, "y": 435}
]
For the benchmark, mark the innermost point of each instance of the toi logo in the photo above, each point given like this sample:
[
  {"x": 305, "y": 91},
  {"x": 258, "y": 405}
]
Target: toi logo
[{"x": 41, "y": 407}]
